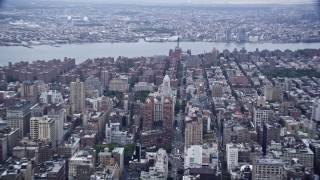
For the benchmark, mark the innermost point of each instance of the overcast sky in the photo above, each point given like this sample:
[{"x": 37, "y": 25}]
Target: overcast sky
[
  {"x": 224, "y": 1},
  {"x": 196, "y": 1}
]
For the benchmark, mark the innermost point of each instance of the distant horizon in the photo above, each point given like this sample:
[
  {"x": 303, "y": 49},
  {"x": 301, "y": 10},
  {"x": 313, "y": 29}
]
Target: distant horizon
[{"x": 192, "y": 2}]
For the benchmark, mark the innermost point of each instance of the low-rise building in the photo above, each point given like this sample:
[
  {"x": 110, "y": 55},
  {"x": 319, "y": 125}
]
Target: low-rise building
[
  {"x": 114, "y": 135},
  {"x": 144, "y": 86},
  {"x": 267, "y": 169},
  {"x": 120, "y": 83},
  {"x": 81, "y": 165},
  {"x": 160, "y": 169}
]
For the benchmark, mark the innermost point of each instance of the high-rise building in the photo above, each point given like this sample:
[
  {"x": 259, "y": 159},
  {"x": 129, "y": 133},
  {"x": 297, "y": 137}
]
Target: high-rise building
[
  {"x": 168, "y": 115},
  {"x": 93, "y": 86},
  {"x": 270, "y": 133},
  {"x": 241, "y": 35},
  {"x": 12, "y": 136},
  {"x": 193, "y": 133},
  {"x": 268, "y": 92},
  {"x": 260, "y": 116},
  {"x": 42, "y": 87},
  {"x": 241, "y": 134},
  {"x": 18, "y": 116},
  {"x": 105, "y": 78},
  {"x": 232, "y": 156},
  {"x": 47, "y": 130},
  {"x": 273, "y": 93},
  {"x": 51, "y": 97},
  {"x": 148, "y": 114},
  {"x": 159, "y": 107},
  {"x": 77, "y": 96},
  {"x": 34, "y": 127},
  {"x": 166, "y": 90},
  {"x": 3, "y": 148},
  {"x": 38, "y": 110},
  {"x": 277, "y": 93},
  {"x": 191, "y": 158},
  {"x": 115, "y": 135},
  {"x": 29, "y": 92},
  {"x": 44, "y": 153},
  {"x": 158, "y": 113},
  {"x": 227, "y": 132},
  {"x": 58, "y": 113},
  {"x": 126, "y": 103},
  {"x": 210, "y": 59},
  {"x": 118, "y": 155},
  {"x": 227, "y": 34},
  {"x": 43, "y": 128},
  {"x": 316, "y": 110},
  {"x": 261, "y": 101}
]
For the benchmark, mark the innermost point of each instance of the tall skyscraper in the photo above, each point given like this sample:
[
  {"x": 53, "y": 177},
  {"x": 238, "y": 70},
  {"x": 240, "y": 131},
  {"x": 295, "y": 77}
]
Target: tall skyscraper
[
  {"x": 241, "y": 35},
  {"x": 29, "y": 92},
  {"x": 227, "y": 132},
  {"x": 56, "y": 112},
  {"x": 47, "y": 130},
  {"x": 232, "y": 156},
  {"x": 34, "y": 127},
  {"x": 148, "y": 114},
  {"x": 43, "y": 128},
  {"x": 270, "y": 133},
  {"x": 18, "y": 116},
  {"x": 277, "y": 93},
  {"x": 193, "y": 133},
  {"x": 159, "y": 107},
  {"x": 166, "y": 90},
  {"x": 227, "y": 35},
  {"x": 77, "y": 96},
  {"x": 105, "y": 78},
  {"x": 260, "y": 116},
  {"x": 168, "y": 115}
]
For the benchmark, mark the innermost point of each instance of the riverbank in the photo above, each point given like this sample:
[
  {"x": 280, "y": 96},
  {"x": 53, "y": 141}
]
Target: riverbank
[
  {"x": 147, "y": 40},
  {"x": 82, "y": 52}
]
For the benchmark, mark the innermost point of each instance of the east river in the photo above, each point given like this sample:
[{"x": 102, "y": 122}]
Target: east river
[{"x": 82, "y": 52}]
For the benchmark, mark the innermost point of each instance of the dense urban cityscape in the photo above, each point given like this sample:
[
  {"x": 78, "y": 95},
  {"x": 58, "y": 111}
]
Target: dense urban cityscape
[
  {"x": 230, "y": 114},
  {"x": 69, "y": 22}
]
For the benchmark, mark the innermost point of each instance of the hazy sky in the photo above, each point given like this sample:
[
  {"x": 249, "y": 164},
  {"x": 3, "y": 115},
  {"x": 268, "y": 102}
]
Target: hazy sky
[
  {"x": 224, "y": 1},
  {"x": 196, "y": 1}
]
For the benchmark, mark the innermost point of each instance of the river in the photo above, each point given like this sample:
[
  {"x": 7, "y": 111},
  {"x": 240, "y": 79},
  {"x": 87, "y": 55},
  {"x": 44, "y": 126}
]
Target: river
[{"x": 82, "y": 52}]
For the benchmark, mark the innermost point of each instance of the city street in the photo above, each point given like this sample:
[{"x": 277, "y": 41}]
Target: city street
[{"x": 178, "y": 147}]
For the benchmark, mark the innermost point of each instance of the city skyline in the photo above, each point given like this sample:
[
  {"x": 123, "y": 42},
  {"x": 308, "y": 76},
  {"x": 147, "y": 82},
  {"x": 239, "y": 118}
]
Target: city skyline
[{"x": 170, "y": 90}]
